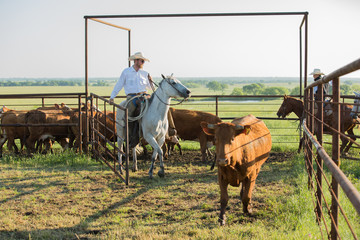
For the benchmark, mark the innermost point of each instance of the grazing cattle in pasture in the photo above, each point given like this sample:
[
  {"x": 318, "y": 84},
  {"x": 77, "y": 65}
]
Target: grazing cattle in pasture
[
  {"x": 11, "y": 133},
  {"x": 187, "y": 123},
  {"x": 40, "y": 117},
  {"x": 242, "y": 146},
  {"x": 347, "y": 122}
]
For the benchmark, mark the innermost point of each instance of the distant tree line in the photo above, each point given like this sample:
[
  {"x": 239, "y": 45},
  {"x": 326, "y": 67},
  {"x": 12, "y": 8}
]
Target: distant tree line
[
  {"x": 347, "y": 88},
  {"x": 41, "y": 83},
  {"x": 259, "y": 89}
]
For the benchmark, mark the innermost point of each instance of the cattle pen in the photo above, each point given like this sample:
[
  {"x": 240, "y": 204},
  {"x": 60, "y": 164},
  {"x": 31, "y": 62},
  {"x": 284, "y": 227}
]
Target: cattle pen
[{"x": 98, "y": 129}]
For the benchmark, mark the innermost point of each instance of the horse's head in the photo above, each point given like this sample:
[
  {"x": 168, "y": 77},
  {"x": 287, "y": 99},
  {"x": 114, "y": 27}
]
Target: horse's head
[
  {"x": 286, "y": 108},
  {"x": 173, "y": 87},
  {"x": 356, "y": 108}
]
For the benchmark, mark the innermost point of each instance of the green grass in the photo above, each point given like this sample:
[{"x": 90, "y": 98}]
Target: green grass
[{"x": 67, "y": 196}]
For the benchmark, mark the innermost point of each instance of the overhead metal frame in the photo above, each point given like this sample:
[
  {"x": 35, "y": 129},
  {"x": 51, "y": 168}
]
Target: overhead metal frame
[{"x": 304, "y": 24}]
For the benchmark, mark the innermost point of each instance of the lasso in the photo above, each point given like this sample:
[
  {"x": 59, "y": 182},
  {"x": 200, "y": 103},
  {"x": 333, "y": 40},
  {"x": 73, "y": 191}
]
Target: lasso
[{"x": 143, "y": 109}]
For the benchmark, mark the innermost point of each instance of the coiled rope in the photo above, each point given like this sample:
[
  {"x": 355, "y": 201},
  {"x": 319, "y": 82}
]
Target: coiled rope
[{"x": 143, "y": 109}]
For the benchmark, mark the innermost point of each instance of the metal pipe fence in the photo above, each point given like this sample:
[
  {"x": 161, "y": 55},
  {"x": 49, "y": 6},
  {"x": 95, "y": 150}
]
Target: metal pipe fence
[
  {"x": 335, "y": 121},
  {"x": 103, "y": 135}
]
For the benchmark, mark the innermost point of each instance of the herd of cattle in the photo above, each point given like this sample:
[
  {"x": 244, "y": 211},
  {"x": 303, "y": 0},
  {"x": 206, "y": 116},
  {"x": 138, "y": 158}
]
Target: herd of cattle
[
  {"x": 48, "y": 124},
  {"x": 44, "y": 125},
  {"x": 242, "y": 146}
]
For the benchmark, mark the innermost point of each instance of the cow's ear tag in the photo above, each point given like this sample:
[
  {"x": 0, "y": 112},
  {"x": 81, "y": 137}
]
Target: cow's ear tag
[{"x": 247, "y": 129}]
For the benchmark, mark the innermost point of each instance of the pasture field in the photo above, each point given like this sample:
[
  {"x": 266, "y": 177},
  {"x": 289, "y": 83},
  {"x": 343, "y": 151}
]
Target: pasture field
[{"x": 101, "y": 91}]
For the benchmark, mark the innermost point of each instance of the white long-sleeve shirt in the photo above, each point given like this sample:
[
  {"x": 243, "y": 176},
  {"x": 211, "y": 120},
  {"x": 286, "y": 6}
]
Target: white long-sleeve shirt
[
  {"x": 316, "y": 87},
  {"x": 132, "y": 81}
]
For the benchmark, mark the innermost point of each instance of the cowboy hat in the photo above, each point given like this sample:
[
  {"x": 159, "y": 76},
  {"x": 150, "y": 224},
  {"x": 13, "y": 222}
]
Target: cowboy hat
[
  {"x": 138, "y": 55},
  {"x": 316, "y": 71}
]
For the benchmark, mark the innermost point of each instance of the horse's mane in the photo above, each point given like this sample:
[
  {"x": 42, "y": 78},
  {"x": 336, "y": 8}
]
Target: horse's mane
[{"x": 294, "y": 99}]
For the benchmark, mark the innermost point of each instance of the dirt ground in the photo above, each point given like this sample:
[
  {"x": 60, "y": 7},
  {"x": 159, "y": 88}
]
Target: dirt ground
[{"x": 195, "y": 156}]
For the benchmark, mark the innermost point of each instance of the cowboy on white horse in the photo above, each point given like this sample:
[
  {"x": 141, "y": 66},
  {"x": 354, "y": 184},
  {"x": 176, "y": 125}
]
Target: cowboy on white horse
[
  {"x": 154, "y": 117},
  {"x": 135, "y": 82}
]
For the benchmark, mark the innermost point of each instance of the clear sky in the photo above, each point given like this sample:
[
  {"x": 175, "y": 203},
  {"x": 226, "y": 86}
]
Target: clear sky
[{"x": 45, "y": 38}]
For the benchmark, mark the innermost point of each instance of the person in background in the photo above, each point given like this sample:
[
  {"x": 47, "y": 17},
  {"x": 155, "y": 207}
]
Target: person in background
[{"x": 317, "y": 75}]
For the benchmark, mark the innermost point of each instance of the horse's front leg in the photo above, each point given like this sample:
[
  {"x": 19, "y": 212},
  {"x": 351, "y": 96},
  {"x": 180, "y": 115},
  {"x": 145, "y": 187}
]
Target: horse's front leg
[
  {"x": 135, "y": 167},
  {"x": 153, "y": 159},
  {"x": 156, "y": 153},
  {"x": 161, "y": 172},
  {"x": 120, "y": 135},
  {"x": 120, "y": 142}
]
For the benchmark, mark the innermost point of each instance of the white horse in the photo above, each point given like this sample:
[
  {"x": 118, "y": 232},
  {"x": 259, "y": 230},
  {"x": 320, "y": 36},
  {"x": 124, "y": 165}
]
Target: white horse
[{"x": 154, "y": 123}]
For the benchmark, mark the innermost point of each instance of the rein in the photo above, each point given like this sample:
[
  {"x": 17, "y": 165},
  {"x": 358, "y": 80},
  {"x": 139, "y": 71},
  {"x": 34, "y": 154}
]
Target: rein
[{"x": 166, "y": 79}]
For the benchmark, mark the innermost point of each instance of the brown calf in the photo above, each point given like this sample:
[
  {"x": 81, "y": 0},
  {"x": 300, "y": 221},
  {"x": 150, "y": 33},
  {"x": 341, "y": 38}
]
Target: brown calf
[{"x": 242, "y": 146}]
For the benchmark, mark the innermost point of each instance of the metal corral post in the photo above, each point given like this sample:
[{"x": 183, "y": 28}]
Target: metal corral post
[
  {"x": 97, "y": 127},
  {"x": 43, "y": 102},
  {"x": 86, "y": 137},
  {"x": 86, "y": 57},
  {"x": 129, "y": 45},
  {"x": 306, "y": 140},
  {"x": 92, "y": 124},
  {"x": 311, "y": 127},
  {"x": 335, "y": 157},
  {"x": 319, "y": 135},
  {"x": 80, "y": 125},
  {"x": 306, "y": 50},
  {"x": 105, "y": 127},
  {"x": 300, "y": 80},
  {"x": 127, "y": 145},
  {"x": 217, "y": 106},
  {"x": 115, "y": 134}
]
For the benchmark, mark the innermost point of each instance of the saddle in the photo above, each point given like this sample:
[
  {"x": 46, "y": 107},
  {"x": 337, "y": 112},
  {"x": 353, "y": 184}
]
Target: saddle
[{"x": 134, "y": 127}]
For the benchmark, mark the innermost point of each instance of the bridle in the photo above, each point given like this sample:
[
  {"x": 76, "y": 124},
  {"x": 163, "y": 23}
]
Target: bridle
[{"x": 159, "y": 86}]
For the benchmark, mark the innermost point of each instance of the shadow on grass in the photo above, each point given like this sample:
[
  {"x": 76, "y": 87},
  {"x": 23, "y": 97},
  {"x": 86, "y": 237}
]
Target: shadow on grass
[{"x": 142, "y": 185}]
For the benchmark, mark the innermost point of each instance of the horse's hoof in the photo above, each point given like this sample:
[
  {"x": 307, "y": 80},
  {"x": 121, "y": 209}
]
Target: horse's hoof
[
  {"x": 248, "y": 210},
  {"x": 161, "y": 172},
  {"x": 222, "y": 221}
]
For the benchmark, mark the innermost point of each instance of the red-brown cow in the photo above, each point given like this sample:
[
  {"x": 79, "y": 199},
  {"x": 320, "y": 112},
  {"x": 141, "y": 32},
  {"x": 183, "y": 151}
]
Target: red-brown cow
[
  {"x": 242, "y": 146},
  {"x": 187, "y": 124},
  {"x": 59, "y": 133},
  {"x": 11, "y": 133}
]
